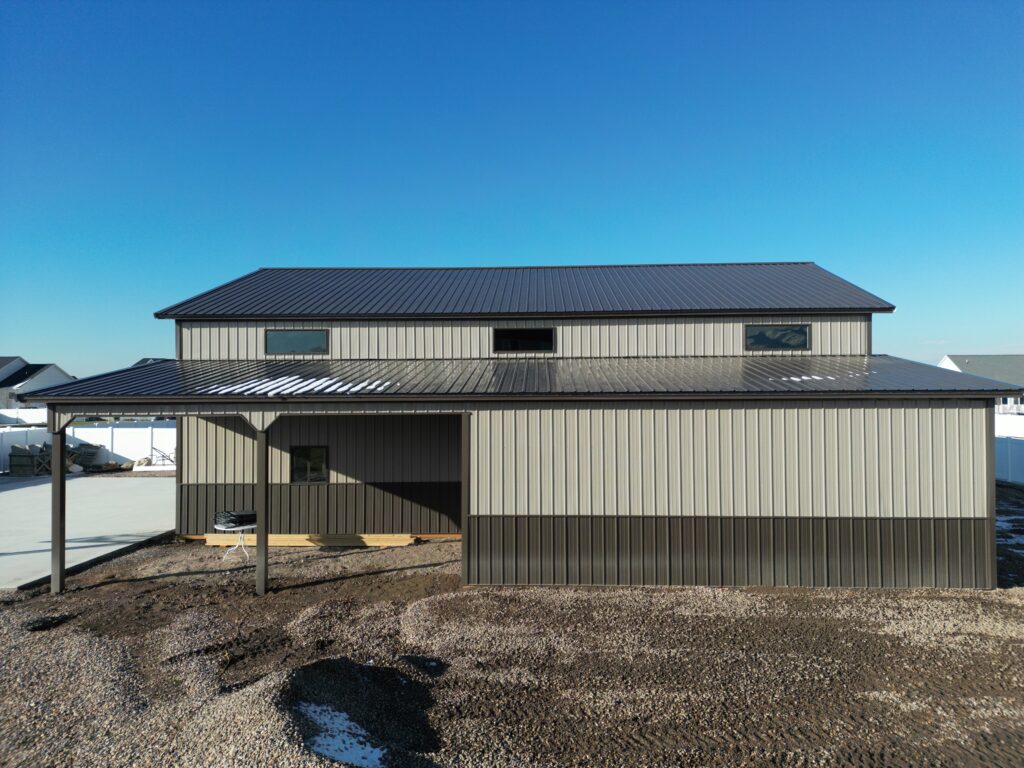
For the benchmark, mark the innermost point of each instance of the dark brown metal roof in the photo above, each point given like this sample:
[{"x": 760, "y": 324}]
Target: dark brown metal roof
[
  {"x": 665, "y": 289},
  {"x": 233, "y": 380}
]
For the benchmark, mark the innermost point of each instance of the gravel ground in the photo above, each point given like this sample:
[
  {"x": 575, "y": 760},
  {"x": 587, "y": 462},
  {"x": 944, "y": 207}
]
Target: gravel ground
[{"x": 165, "y": 657}]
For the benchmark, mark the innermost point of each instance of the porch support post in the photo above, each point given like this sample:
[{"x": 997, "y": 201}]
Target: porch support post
[
  {"x": 464, "y": 475},
  {"x": 262, "y": 488},
  {"x": 58, "y": 509}
]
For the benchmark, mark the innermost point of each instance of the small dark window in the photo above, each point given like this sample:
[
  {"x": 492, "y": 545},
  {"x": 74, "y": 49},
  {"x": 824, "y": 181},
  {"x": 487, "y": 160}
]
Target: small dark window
[
  {"x": 761, "y": 338},
  {"x": 309, "y": 464},
  {"x": 524, "y": 339},
  {"x": 297, "y": 342}
]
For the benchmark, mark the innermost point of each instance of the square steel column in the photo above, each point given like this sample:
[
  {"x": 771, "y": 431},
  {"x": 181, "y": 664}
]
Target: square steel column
[
  {"x": 58, "y": 510},
  {"x": 464, "y": 489},
  {"x": 262, "y": 488}
]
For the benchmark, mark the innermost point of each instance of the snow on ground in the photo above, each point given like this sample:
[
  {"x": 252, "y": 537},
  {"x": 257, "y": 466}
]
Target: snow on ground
[
  {"x": 1007, "y": 536},
  {"x": 340, "y": 738}
]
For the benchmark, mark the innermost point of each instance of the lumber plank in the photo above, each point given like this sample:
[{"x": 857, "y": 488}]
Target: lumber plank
[{"x": 314, "y": 540}]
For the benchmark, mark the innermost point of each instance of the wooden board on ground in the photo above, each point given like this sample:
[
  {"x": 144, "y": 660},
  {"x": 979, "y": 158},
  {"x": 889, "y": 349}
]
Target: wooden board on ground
[{"x": 310, "y": 540}]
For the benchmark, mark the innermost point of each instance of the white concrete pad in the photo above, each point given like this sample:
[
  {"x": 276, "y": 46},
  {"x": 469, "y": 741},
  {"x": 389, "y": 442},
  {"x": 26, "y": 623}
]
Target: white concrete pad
[{"x": 104, "y": 514}]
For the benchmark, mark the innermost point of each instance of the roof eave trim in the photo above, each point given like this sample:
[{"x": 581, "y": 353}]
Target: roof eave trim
[
  {"x": 538, "y": 397},
  {"x": 165, "y": 315}
]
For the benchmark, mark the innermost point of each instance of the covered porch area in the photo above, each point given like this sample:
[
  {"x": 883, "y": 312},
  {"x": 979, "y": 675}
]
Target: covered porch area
[{"x": 387, "y": 469}]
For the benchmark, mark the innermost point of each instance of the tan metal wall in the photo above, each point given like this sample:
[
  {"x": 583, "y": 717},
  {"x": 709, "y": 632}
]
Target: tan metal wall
[
  {"x": 852, "y": 459},
  {"x": 216, "y": 450},
  {"x": 628, "y": 337},
  {"x": 361, "y": 449},
  {"x": 858, "y": 458}
]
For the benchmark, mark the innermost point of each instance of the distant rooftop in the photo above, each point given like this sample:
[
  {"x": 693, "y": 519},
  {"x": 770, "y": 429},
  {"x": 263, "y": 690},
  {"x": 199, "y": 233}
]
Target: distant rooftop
[
  {"x": 22, "y": 375},
  {"x": 1008, "y": 368},
  {"x": 653, "y": 289}
]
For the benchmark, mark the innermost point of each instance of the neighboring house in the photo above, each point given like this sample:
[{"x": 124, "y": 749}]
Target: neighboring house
[
  {"x": 1009, "y": 425},
  {"x": 1009, "y": 368},
  {"x": 719, "y": 424},
  {"x": 18, "y": 377}
]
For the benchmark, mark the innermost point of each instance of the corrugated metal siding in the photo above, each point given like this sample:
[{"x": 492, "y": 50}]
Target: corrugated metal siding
[
  {"x": 361, "y": 449},
  {"x": 900, "y": 458},
  {"x": 389, "y": 474},
  {"x": 471, "y": 339},
  {"x": 741, "y": 551},
  {"x": 328, "y": 509},
  {"x": 217, "y": 450},
  {"x": 372, "y": 449}
]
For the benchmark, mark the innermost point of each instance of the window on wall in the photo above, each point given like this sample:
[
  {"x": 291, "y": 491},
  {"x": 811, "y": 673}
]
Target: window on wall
[
  {"x": 524, "y": 339},
  {"x": 762, "y": 338},
  {"x": 281, "y": 342},
  {"x": 309, "y": 464}
]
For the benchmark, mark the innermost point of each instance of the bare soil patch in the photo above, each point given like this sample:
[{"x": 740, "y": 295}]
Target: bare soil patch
[{"x": 166, "y": 657}]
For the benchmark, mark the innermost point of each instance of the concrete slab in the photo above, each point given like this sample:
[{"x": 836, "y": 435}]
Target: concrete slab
[{"x": 105, "y": 514}]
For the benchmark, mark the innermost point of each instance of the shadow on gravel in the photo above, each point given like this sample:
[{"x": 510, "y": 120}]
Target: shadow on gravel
[
  {"x": 389, "y": 705},
  {"x": 428, "y": 665},
  {"x": 361, "y": 575},
  {"x": 43, "y": 623}
]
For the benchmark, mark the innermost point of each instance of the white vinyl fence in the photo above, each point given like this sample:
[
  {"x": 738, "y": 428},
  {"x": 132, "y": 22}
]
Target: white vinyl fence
[
  {"x": 124, "y": 441},
  {"x": 1010, "y": 459},
  {"x": 22, "y": 416}
]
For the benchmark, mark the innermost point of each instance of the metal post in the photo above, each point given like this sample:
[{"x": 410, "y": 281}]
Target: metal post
[
  {"x": 464, "y": 474},
  {"x": 58, "y": 510},
  {"x": 261, "y": 511}
]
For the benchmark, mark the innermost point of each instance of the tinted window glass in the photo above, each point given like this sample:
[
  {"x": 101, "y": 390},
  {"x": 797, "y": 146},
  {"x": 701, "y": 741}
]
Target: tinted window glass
[
  {"x": 768, "y": 337},
  {"x": 309, "y": 464},
  {"x": 297, "y": 342},
  {"x": 524, "y": 339}
]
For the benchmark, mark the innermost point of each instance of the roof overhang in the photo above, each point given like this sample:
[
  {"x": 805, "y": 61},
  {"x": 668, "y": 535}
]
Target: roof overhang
[{"x": 525, "y": 379}]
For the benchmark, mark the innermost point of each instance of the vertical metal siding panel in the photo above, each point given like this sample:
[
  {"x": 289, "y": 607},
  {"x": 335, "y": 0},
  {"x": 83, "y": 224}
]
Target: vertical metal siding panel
[
  {"x": 700, "y": 456},
  {"x": 966, "y": 458},
  {"x": 925, "y": 443},
  {"x": 514, "y": 448},
  {"x": 780, "y": 463},
  {"x": 937, "y": 464},
  {"x": 877, "y": 460},
  {"x": 752, "y": 453},
  {"x": 648, "y": 467},
  {"x": 675, "y": 458},
  {"x": 458, "y": 339},
  {"x": 607, "y": 482},
  {"x": 548, "y": 459},
  {"x": 858, "y": 469}
]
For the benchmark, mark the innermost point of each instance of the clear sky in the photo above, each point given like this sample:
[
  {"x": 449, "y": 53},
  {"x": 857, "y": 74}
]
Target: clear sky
[{"x": 149, "y": 151}]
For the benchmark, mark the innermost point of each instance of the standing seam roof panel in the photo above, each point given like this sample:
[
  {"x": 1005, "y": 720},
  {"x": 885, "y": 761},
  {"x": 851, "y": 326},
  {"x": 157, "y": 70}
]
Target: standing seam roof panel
[
  {"x": 596, "y": 290},
  {"x": 208, "y": 380}
]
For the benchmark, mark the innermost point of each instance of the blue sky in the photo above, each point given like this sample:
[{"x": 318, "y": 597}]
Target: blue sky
[{"x": 149, "y": 151}]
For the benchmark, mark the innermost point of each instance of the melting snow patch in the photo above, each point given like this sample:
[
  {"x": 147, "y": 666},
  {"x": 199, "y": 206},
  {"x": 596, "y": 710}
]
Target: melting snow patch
[{"x": 339, "y": 738}]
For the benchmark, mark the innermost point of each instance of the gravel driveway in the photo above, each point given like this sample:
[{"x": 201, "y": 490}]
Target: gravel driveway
[{"x": 165, "y": 657}]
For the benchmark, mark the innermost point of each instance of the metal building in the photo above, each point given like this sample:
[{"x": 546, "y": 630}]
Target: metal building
[{"x": 722, "y": 424}]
